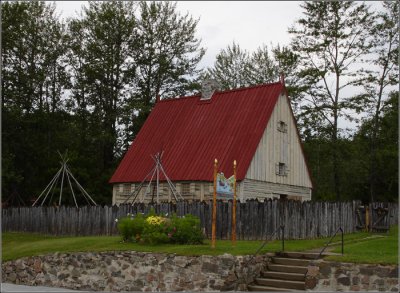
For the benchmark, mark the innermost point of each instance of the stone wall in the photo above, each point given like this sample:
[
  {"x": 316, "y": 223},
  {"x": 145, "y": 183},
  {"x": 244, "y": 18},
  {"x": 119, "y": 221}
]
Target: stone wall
[
  {"x": 333, "y": 276},
  {"x": 135, "y": 271}
]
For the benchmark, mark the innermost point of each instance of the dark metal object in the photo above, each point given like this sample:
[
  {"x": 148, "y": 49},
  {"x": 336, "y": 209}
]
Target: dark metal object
[{"x": 281, "y": 228}]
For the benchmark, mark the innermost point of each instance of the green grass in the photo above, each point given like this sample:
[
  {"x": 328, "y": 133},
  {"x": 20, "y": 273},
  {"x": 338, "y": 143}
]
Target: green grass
[
  {"x": 381, "y": 250},
  {"x": 357, "y": 249}
]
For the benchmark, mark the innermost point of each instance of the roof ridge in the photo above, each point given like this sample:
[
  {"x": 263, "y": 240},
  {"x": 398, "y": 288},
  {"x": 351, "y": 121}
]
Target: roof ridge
[{"x": 223, "y": 92}]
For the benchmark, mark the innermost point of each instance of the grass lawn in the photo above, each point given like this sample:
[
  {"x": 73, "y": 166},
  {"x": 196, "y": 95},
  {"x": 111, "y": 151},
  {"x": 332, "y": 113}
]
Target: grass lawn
[
  {"x": 382, "y": 250},
  {"x": 357, "y": 248}
]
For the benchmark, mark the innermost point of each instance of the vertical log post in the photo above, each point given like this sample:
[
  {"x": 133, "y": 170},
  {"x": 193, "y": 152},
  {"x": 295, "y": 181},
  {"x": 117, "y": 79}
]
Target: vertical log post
[
  {"x": 214, "y": 211},
  {"x": 234, "y": 206}
]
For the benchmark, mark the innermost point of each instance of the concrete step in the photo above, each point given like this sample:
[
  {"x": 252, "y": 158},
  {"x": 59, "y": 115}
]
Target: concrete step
[
  {"x": 290, "y": 261},
  {"x": 267, "y": 289},
  {"x": 297, "y": 285},
  {"x": 287, "y": 269},
  {"x": 300, "y": 255},
  {"x": 283, "y": 276}
]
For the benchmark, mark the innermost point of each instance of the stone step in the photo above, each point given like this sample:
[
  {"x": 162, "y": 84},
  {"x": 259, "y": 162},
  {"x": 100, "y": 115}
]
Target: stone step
[
  {"x": 297, "y": 285},
  {"x": 283, "y": 276},
  {"x": 290, "y": 261},
  {"x": 267, "y": 289},
  {"x": 300, "y": 255},
  {"x": 287, "y": 269}
]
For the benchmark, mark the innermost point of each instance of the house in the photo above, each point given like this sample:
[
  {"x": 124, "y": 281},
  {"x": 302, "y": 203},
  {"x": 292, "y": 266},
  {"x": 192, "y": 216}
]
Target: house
[{"x": 254, "y": 126}]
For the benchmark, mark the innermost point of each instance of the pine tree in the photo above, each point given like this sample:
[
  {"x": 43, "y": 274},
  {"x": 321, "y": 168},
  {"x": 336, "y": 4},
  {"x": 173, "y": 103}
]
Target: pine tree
[{"x": 330, "y": 39}]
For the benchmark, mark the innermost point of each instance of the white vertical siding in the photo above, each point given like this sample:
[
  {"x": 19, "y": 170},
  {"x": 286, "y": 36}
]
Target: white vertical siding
[{"x": 276, "y": 146}]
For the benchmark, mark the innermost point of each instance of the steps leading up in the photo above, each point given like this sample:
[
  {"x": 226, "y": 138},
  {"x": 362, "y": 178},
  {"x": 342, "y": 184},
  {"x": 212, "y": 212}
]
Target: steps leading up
[
  {"x": 290, "y": 261},
  {"x": 282, "y": 275},
  {"x": 285, "y": 273},
  {"x": 285, "y": 284},
  {"x": 267, "y": 289},
  {"x": 287, "y": 269}
]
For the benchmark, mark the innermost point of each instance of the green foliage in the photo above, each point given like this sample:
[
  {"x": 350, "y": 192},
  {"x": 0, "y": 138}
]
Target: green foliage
[
  {"x": 330, "y": 38},
  {"x": 86, "y": 85},
  {"x": 154, "y": 229},
  {"x": 185, "y": 230},
  {"x": 235, "y": 67},
  {"x": 131, "y": 227}
]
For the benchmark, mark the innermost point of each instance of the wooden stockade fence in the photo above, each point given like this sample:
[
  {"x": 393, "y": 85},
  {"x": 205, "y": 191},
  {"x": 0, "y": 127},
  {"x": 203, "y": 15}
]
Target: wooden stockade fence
[{"x": 255, "y": 220}]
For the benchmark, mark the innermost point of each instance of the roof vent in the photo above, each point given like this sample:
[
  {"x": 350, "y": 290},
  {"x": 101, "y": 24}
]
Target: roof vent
[{"x": 208, "y": 87}]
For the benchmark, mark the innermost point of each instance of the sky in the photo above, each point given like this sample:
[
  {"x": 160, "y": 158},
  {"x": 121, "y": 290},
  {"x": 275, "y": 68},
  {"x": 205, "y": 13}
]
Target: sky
[{"x": 250, "y": 24}]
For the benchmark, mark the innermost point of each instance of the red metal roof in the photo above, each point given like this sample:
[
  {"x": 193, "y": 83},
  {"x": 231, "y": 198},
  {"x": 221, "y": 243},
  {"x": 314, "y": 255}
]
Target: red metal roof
[{"x": 192, "y": 133}]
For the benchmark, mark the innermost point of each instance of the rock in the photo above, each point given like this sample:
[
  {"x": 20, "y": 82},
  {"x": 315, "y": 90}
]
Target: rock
[
  {"x": 125, "y": 266},
  {"x": 75, "y": 273},
  {"x": 355, "y": 288},
  {"x": 209, "y": 268},
  {"x": 37, "y": 265},
  {"x": 382, "y": 272},
  {"x": 344, "y": 280},
  {"x": 325, "y": 269},
  {"x": 313, "y": 271},
  {"x": 310, "y": 283},
  {"x": 12, "y": 277},
  {"x": 365, "y": 280},
  {"x": 356, "y": 280},
  {"x": 366, "y": 271},
  {"x": 19, "y": 265},
  {"x": 181, "y": 261},
  {"x": 379, "y": 282},
  {"x": 394, "y": 273}
]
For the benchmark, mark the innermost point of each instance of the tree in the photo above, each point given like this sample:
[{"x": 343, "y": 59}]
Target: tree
[
  {"x": 386, "y": 157},
  {"x": 166, "y": 52},
  {"x": 231, "y": 67},
  {"x": 384, "y": 57},
  {"x": 330, "y": 39},
  {"x": 33, "y": 82},
  {"x": 262, "y": 68},
  {"x": 100, "y": 55}
]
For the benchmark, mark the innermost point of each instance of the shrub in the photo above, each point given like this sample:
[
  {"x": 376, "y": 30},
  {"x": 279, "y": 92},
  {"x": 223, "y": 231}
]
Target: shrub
[
  {"x": 157, "y": 230},
  {"x": 186, "y": 230},
  {"x": 131, "y": 227}
]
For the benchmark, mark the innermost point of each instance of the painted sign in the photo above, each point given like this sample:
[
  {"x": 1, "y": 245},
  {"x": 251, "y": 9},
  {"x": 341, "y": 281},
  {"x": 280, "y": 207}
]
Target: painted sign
[{"x": 225, "y": 186}]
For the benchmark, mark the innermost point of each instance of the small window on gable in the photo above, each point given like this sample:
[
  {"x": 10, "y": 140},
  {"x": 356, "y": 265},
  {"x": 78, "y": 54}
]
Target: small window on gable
[
  {"x": 281, "y": 169},
  {"x": 282, "y": 126}
]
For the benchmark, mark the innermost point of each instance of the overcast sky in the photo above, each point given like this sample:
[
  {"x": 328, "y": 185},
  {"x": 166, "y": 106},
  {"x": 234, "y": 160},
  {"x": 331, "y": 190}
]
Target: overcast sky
[{"x": 249, "y": 23}]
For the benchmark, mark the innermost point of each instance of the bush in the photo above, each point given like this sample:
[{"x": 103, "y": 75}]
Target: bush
[
  {"x": 131, "y": 227},
  {"x": 158, "y": 230},
  {"x": 186, "y": 230}
]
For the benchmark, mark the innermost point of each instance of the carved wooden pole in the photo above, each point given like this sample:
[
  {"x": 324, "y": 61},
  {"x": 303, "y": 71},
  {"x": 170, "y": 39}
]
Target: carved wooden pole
[
  {"x": 214, "y": 211},
  {"x": 234, "y": 206}
]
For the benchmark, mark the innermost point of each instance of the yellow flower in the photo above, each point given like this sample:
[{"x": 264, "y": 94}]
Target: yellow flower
[{"x": 154, "y": 220}]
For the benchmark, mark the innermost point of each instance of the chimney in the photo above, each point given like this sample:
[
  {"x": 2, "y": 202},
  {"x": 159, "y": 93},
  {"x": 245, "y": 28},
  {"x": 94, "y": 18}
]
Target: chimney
[
  {"x": 157, "y": 98},
  {"x": 282, "y": 78},
  {"x": 208, "y": 87}
]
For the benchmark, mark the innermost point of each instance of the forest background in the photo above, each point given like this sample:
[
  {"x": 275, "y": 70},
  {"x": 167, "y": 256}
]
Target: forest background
[{"x": 87, "y": 84}]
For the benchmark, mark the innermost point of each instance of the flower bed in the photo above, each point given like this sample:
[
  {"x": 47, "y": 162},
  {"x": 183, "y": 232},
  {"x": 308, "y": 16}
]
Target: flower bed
[{"x": 153, "y": 229}]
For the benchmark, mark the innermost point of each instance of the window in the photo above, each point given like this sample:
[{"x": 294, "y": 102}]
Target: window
[
  {"x": 281, "y": 169},
  {"x": 282, "y": 126},
  {"x": 126, "y": 189},
  {"x": 185, "y": 189}
]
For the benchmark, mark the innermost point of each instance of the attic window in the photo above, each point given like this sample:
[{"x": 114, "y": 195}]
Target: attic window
[
  {"x": 282, "y": 126},
  {"x": 281, "y": 169}
]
